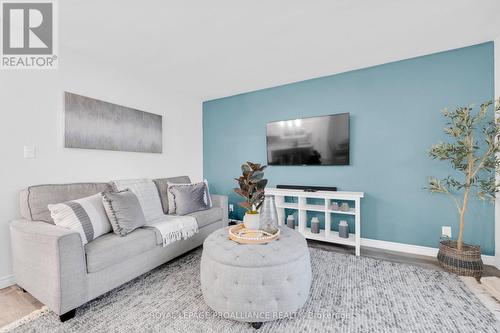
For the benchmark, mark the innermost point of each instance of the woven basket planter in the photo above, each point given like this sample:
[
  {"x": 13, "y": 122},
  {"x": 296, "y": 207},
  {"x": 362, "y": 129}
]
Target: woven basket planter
[{"x": 466, "y": 262}]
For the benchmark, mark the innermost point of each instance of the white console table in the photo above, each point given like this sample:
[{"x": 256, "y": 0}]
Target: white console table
[{"x": 302, "y": 206}]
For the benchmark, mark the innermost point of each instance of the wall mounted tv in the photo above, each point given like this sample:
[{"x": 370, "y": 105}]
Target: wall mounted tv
[{"x": 309, "y": 141}]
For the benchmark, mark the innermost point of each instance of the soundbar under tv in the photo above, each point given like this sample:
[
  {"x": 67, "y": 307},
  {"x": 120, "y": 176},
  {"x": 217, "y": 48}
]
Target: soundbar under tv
[{"x": 307, "y": 188}]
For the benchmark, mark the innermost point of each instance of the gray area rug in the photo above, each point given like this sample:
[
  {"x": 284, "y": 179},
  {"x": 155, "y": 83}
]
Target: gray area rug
[{"x": 348, "y": 294}]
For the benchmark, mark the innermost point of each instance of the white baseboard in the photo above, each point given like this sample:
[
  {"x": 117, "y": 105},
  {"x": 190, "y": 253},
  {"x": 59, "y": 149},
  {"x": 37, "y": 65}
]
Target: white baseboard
[
  {"x": 6, "y": 281},
  {"x": 413, "y": 249}
]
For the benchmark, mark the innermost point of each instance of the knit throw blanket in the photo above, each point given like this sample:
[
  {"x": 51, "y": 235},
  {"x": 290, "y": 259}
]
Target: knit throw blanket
[
  {"x": 174, "y": 227},
  {"x": 171, "y": 227}
]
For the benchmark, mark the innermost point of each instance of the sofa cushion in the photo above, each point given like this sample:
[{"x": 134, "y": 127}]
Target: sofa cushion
[
  {"x": 162, "y": 186},
  {"x": 209, "y": 216},
  {"x": 111, "y": 249},
  {"x": 34, "y": 199}
]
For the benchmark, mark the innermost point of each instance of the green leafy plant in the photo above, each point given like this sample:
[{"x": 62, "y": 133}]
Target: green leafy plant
[
  {"x": 251, "y": 186},
  {"x": 473, "y": 152}
]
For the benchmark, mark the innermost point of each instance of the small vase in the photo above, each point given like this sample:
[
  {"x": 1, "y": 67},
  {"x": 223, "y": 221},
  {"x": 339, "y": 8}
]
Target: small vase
[
  {"x": 251, "y": 221},
  {"x": 315, "y": 225},
  {"x": 268, "y": 215},
  {"x": 343, "y": 229},
  {"x": 345, "y": 207}
]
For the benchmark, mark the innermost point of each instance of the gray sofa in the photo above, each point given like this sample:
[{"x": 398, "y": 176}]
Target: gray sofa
[{"x": 51, "y": 263}]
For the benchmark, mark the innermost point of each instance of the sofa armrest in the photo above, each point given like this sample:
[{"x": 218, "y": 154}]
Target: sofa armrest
[
  {"x": 222, "y": 202},
  {"x": 49, "y": 262}
]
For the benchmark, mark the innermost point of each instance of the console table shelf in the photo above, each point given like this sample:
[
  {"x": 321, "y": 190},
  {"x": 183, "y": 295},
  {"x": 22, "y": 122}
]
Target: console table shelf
[
  {"x": 301, "y": 204},
  {"x": 332, "y": 237}
]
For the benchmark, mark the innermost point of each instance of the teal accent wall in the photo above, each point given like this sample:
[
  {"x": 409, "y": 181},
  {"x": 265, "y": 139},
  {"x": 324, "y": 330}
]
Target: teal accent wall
[{"x": 395, "y": 118}]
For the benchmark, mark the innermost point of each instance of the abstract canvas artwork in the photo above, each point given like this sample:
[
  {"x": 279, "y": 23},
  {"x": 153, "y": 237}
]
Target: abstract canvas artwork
[{"x": 94, "y": 124}]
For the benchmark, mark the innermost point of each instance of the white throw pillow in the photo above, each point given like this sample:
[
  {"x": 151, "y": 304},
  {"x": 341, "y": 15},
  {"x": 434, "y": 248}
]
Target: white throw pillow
[
  {"x": 147, "y": 193},
  {"x": 85, "y": 215}
]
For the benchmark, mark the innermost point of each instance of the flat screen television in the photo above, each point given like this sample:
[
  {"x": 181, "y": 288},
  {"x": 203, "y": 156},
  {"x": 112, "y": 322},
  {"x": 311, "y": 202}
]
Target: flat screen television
[{"x": 309, "y": 141}]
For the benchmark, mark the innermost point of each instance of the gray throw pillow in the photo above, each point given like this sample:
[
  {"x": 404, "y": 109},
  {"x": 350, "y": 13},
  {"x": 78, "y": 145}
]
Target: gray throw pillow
[
  {"x": 188, "y": 198},
  {"x": 124, "y": 211}
]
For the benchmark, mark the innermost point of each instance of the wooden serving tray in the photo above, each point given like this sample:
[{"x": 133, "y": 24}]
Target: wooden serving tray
[{"x": 242, "y": 235}]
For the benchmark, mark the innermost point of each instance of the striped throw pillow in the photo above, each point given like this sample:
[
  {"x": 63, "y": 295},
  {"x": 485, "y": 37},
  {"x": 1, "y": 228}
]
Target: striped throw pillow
[{"x": 86, "y": 216}]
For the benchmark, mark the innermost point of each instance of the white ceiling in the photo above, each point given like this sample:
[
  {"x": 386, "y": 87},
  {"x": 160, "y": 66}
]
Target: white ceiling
[{"x": 216, "y": 48}]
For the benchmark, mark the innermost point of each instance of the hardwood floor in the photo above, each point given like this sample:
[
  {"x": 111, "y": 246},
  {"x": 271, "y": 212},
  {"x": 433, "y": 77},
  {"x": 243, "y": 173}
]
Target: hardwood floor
[
  {"x": 412, "y": 259},
  {"x": 15, "y": 303}
]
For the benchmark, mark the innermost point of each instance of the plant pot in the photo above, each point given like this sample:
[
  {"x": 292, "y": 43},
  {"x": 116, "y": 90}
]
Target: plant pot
[
  {"x": 465, "y": 262},
  {"x": 251, "y": 221}
]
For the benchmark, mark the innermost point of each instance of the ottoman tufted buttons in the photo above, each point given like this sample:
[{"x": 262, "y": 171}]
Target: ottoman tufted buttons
[
  {"x": 291, "y": 243},
  {"x": 243, "y": 278}
]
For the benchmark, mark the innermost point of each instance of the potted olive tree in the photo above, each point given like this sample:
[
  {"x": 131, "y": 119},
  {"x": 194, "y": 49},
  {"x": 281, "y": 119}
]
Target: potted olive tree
[
  {"x": 472, "y": 151},
  {"x": 251, "y": 188}
]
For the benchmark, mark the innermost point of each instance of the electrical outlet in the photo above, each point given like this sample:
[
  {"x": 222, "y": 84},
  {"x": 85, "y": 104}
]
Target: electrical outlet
[
  {"x": 231, "y": 207},
  {"x": 446, "y": 231},
  {"x": 29, "y": 151}
]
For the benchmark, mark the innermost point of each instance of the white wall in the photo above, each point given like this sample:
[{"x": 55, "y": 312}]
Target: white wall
[{"x": 31, "y": 109}]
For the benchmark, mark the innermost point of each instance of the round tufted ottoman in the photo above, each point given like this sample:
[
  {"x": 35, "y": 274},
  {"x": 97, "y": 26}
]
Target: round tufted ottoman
[{"x": 255, "y": 283}]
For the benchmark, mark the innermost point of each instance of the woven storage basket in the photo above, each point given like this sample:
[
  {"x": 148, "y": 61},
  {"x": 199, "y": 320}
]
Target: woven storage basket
[{"x": 466, "y": 262}]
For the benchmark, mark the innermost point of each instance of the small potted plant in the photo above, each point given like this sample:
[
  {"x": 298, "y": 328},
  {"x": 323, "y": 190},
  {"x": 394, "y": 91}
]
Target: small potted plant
[
  {"x": 251, "y": 188},
  {"x": 473, "y": 152}
]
